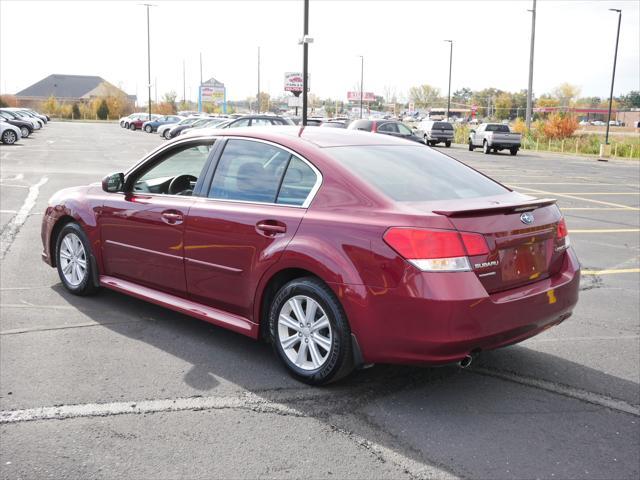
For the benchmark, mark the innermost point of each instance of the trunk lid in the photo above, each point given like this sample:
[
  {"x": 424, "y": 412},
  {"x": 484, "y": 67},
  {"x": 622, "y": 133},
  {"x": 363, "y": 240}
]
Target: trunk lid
[{"x": 521, "y": 233}]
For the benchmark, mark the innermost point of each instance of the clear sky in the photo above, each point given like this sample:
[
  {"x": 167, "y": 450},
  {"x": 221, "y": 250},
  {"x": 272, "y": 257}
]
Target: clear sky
[{"x": 402, "y": 42}]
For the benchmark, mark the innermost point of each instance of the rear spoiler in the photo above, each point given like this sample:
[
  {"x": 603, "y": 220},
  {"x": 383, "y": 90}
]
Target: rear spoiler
[{"x": 498, "y": 207}]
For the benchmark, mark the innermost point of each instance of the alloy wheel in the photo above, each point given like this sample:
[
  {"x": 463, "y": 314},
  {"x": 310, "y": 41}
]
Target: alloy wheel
[
  {"x": 9, "y": 137},
  {"x": 304, "y": 332},
  {"x": 73, "y": 259},
  {"x": 25, "y": 132}
]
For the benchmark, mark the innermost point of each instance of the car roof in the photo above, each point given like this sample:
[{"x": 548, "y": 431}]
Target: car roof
[{"x": 317, "y": 136}]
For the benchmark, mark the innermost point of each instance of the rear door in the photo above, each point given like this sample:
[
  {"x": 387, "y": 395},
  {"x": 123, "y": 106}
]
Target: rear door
[{"x": 256, "y": 201}]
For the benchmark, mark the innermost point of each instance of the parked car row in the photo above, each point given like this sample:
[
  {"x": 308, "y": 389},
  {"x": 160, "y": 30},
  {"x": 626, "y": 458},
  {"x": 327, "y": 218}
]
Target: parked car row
[{"x": 17, "y": 123}]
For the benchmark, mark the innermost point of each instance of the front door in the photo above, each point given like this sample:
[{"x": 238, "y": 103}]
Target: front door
[
  {"x": 142, "y": 229},
  {"x": 255, "y": 203}
]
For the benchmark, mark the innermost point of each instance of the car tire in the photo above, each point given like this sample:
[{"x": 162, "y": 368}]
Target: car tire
[
  {"x": 167, "y": 134},
  {"x": 126, "y": 125},
  {"x": 9, "y": 137},
  {"x": 471, "y": 147},
  {"x": 132, "y": 126},
  {"x": 486, "y": 149},
  {"x": 74, "y": 260},
  {"x": 324, "y": 354},
  {"x": 426, "y": 140},
  {"x": 447, "y": 144},
  {"x": 148, "y": 129},
  {"x": 513, "y": 151},
  {"x": 25, "y": 132}
]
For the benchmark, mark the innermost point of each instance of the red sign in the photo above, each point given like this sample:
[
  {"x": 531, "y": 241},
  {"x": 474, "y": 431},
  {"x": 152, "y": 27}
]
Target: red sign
[
  {"x": 366, "y": 96},
  {"x": 293, "y": 82}
]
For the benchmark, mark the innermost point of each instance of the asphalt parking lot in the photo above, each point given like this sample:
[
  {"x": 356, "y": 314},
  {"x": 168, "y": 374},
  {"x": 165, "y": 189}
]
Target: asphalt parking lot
[{"x": 109, "y": 386}]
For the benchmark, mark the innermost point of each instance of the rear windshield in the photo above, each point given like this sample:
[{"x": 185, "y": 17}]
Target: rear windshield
[
  {"x": 442, "y": 126},
  {"x": 498, "y": 128},
  {"x": 414, "y": 173}
]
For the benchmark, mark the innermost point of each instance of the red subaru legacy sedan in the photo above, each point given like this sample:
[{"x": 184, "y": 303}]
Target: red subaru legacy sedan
[{"x": 341, "y": 248}]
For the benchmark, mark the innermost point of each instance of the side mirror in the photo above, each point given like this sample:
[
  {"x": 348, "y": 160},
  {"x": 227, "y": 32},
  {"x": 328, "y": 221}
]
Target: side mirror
[
  {"x": 472, "y": 131},
  {"x": 113, "y": 182}
]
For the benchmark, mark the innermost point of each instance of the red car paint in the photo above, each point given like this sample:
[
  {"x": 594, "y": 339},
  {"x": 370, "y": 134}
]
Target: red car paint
[{"x": 215, "y": 264}]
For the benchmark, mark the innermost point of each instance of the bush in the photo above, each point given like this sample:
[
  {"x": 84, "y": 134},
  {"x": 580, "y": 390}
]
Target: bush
[
  {"x": 103, "y": 110},
  {"x": 461, "y": 133},
  {"x": 559, "y": 126},
  {"x": 75, "y": 111}
]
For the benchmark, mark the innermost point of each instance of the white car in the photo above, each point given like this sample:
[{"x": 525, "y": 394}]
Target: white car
[
  {"x": 163, "y": 130},
  {"x": 8, "y": 133}
]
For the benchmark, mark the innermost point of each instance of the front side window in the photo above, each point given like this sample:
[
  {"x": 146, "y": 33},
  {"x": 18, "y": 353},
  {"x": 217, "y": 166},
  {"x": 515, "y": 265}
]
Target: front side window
[
  {"x": 404, "y": 130},
  {"x": 176, "y": 173},
  {"x": 258, "y": 122},
  {"x": 243, "y": 122},
  {"x": 249, "y": 171}
]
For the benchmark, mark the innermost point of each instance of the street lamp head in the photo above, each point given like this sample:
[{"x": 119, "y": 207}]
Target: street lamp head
[
  {"x": 615, "y": 10},
  {"x": 305, "y": 39},
  {"x": 450, "y": 41}
]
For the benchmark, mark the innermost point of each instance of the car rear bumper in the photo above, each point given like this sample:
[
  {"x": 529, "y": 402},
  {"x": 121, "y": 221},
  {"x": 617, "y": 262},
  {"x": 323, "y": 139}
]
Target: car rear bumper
[
  {"x": 505, "y": 144},
  {"x": 440, "y": 318}
]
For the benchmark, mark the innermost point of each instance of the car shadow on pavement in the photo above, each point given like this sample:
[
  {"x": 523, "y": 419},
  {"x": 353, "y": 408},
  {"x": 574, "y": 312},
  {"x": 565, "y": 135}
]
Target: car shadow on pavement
[{"x": 468, "y": 423}]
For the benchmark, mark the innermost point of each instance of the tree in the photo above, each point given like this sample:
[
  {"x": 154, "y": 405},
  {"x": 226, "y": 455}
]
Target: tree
[
  {"x": 565, "y": 93},
  {"x": 103, "y": 110},
  {"x": 559, "y": 126},
  {"x": 265, "y": 100},
  {"x": 170, "y": 99},
  {"x": 503, "y": 106},
  {"x": 75, "y": 111},
  {"x": 50, "y": 106},
  {"x": 547, "y": 101},
  {"x": 462, "y": 96},
  {"x": 630, "y": 100},
  {"x": 424, "y": 95}
]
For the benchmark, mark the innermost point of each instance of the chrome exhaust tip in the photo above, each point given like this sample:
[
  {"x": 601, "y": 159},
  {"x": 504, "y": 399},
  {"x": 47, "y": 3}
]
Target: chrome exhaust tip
[{"x": 466, "y": 361}]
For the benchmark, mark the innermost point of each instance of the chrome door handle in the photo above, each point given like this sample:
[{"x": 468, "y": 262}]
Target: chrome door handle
[
  {"x": 271, "y": 228},
  {"x": 172, "y": 217}
]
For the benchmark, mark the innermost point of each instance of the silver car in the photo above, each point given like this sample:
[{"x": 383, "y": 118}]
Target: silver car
[{"x": 436, "y": 132}]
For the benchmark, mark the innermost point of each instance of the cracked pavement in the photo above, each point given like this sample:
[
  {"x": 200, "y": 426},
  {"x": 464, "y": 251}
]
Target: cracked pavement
[{"x": 110, "y": 386}]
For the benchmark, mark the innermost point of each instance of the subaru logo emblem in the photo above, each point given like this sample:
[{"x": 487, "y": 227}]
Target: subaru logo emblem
[{"x": 527, "y": 218}]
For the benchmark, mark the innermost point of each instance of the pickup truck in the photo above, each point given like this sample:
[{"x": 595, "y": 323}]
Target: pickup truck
[{"x": 494, "y": 137}]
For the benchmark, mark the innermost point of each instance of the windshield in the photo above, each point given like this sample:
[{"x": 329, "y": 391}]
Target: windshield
[{"x": 414, "y": 173}]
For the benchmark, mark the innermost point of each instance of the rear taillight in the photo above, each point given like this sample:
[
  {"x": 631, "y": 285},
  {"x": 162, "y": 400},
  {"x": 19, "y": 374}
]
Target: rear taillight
[
  {"x": 436, "y": 250},
  {"x": 562, "y": 235}
]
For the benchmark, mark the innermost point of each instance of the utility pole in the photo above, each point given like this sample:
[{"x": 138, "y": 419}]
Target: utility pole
[
  {"x": 613, "y": 75},
  {"x": 200, "y": 87},
  {"x": 450, "y": 63},
  {"x": 184, "y": 84},
  {"x": 148, "y": 55},
  {"x": 258, "y": 97},
  {"x": 361, "y": 83},
  {"x": 306, "y": 40},
  {"x": 155, "y": 88},
  {"x": 530, "y": 87}
]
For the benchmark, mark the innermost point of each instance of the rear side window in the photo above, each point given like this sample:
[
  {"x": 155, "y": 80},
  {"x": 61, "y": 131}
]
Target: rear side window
[
  {"x": 442, "y": 126},
  {"x": 414, "y": 173},
  {"x": 498, "y": 128},
  {"x": 297, "y": 183},
  {"x": 249, "y": 171},
  {"x": 388, "y": 127},
  {"x": 361, "y": 125}
]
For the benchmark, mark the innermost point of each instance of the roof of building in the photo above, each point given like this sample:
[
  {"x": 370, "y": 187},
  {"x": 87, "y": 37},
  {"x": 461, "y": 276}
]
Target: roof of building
[{"x": 67, "y": 86}]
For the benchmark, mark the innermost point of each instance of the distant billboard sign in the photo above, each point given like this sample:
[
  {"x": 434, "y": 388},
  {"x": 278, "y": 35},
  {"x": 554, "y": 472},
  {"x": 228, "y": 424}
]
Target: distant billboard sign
[
  {"x": 293, "y": 82},
  {"x": 366, "y": 96},
  {"x": 212, "y": 92}
]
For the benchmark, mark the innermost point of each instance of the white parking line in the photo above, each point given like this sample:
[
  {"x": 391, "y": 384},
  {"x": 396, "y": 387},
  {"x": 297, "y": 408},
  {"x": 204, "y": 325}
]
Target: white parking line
[
  {"x": 18, "y": 220},
  {"x": 567, "y": 391}
]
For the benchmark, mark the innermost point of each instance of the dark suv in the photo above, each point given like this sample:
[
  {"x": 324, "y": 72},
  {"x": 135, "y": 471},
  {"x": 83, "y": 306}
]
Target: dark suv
[{"x": 387, "y": 127}]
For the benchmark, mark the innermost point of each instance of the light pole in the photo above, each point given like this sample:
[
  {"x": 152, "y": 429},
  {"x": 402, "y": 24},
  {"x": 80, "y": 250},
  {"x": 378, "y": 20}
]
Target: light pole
[
  {"x": 148, "y": 55},
  {"x": 450, "y": 63},
  {"x": 613, "y": 75},
  {"x": 530, "y": 87},
  {"x": 361, "y": 83},
  {"x": 305, "y": 41},
  {"x": 258, "y": 97}
]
